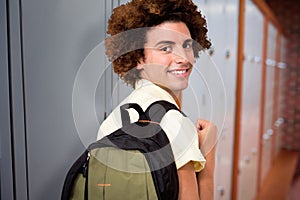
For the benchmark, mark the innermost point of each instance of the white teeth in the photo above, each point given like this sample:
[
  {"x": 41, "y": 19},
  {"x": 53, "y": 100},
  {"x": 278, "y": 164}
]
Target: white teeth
[{"x": 178, "y": 72}]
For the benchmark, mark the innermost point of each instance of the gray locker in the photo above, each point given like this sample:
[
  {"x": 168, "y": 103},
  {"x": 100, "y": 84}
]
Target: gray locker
[
  {"x": 13, "y": 163},
  {"x": 45, "y": 47},
  {"x": 6, "y": 170},
  {"x": 268, "y": 134},
  {"x": 250, "y": 119},
  {"x": 211, "y": 92}
]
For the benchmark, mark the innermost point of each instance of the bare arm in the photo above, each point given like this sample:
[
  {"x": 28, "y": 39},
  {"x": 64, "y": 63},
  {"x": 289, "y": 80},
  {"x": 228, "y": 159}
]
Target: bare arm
[
  {"x": 188, "y": 186},
  {"x": 207, "y": 133},
  {"x": 205, "y": 179}
]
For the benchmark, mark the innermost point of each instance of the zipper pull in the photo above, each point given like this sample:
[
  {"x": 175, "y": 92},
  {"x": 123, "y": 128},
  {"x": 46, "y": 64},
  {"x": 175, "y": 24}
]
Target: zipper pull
[{"x": 85, "y": 166}]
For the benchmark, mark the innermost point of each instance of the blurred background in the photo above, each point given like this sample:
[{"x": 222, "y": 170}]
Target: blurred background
[{"x": 56, "y": 87}]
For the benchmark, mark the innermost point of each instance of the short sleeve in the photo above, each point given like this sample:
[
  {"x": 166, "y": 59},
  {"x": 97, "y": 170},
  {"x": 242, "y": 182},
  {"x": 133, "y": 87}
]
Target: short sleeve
[{"x": 183, "y": 138}]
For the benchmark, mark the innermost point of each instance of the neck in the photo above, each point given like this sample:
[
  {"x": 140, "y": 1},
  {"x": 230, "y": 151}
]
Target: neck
[{"x": 177, "y": 96}]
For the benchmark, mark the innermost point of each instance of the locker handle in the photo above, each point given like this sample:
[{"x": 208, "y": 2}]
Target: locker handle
[
  {"x": 254, "y": 151},
  {"x": 279, "y": 122},
  {"x": 281, "y": 65},
  {"x": 268, "y": 134},
  {"x": 221, "y": 190},
  {"x": 257, "y": 59},
  {"x": 211, "y": 51},
  {"x": 227, "y": 54},
  {"x": 270, "y": 62},
  {"x": 247, "y": 159}
]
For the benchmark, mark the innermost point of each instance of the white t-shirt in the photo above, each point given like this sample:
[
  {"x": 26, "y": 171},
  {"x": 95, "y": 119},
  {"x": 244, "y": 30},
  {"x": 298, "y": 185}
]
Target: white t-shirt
[{"x": 180, "y": 130}]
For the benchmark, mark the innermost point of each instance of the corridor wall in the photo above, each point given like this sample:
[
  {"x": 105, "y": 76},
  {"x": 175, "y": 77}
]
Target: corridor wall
[
  {"x": 48, "y": 91},
  {"x": 56, "y": 87}
]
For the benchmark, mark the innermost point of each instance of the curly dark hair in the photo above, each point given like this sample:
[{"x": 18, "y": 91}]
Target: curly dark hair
[{"x": 125, "y": 48}]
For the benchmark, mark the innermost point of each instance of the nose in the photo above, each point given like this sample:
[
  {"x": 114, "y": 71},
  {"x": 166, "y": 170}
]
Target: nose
[{"x": 180, "y": 56}]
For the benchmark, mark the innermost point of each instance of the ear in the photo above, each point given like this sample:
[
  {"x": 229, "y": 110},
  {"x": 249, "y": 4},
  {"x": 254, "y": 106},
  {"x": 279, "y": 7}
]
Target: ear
[{"x": 140, "y": 65}]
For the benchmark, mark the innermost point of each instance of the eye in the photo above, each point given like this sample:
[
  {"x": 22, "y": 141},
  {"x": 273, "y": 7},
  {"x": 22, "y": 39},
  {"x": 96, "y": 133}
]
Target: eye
[
  {"x": 166, "y": 49},
  {"x": 187, "y": 45}
]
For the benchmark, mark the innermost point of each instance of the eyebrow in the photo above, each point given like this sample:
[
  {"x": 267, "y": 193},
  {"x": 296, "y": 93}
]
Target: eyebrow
[
  {"x": 187, "y": 41},
  {"x": 171, "y": 42},
  {"x": 165, "y": 42}
]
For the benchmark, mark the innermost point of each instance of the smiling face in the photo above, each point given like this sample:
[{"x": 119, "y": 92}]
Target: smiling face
[{"x": 168, "y": 56}]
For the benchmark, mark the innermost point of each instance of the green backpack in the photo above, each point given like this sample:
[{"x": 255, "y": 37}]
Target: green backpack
[{"x": 135, "y": 162}]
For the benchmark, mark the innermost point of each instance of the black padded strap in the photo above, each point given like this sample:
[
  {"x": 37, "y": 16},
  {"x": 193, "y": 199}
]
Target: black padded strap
[
  {"x": 158, "y": 109},
  {"x": 125, "y": 115},
  {"x": 72, "y": 175},
  {"x": 154, "y": 112}
]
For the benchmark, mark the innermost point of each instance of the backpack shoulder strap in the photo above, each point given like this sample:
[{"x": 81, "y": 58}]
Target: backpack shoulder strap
[
  {"x": 72, "y": 174},
  {"x": 125, "y": 115},
  {"x": 156, "y": 111},
  {"x": 155, "y": 146}
]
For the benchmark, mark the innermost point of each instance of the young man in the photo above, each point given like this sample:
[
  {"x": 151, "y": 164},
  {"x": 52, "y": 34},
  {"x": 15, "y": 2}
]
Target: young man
[{"x": 153, "y": 46}]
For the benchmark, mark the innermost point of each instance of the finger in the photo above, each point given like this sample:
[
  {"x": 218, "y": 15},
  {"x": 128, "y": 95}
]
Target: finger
[
  {"x": 201, "y": 124},
  {"x": 210, "y": 140}
]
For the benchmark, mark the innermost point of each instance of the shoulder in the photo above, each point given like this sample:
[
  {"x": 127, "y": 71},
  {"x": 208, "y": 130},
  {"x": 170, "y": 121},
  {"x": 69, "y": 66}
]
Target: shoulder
[
  {"x": 146, "y": 93},
  {"x": 176, "y": 123}
]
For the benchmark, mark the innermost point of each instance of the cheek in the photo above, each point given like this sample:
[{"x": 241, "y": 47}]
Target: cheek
[
  {"x": 164, "y": 61},
  {"x": 159, "y": 59},
  {"x": 191, "y": 57}
]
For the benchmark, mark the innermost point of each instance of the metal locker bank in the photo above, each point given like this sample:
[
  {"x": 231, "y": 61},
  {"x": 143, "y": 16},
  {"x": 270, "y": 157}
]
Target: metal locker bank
[
  {"x": 57, "y": 86},
  {"x": 43, "y": 44}
]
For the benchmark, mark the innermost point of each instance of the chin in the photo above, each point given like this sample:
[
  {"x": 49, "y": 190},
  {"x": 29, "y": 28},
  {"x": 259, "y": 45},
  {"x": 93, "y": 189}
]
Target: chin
[
  {"x": 184, "y": 85},
  {"x": 180, "y": 87}
]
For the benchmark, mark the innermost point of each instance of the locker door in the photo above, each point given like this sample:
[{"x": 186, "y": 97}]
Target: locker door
[
  {"x": 211, "y": 94},
  {"x": 120, "y": 90},
  {"x": 206, "y": 88},
  {"x": 281, "y": 99},
  {"x": 65, "y": 87},
  {"x": 250, "y": 122},
  {"x": 6, "y": 157},
  {"x": 224, "y": 36},
  {"x": 268, "y": 118}
]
